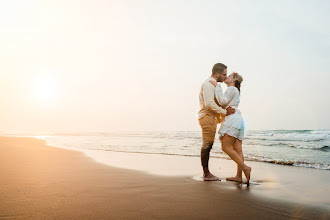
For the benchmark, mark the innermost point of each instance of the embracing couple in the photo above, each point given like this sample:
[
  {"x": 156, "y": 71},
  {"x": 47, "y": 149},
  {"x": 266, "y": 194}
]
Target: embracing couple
[{"x": 218, "y": 107}]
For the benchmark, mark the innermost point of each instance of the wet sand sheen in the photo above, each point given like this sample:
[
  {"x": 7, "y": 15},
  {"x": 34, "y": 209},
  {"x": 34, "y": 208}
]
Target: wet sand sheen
[
  {"x": 293, "y": 184},
  {"x": 38, "y": 181}
]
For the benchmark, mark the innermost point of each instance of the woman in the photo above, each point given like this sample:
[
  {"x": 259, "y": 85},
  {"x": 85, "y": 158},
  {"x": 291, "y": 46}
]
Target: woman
[{"x": 232, "y": 128}]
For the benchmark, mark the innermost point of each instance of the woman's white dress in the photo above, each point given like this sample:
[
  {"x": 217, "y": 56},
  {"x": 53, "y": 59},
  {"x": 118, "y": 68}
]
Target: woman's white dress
[{"x": 232, "y": 125}]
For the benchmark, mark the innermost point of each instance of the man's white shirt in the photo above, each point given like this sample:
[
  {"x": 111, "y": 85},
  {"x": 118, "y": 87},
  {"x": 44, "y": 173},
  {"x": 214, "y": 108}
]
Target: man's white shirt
[{"x": 206, "y": 99}]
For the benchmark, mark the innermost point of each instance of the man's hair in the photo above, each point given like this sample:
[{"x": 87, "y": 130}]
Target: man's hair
[{"x": 218, "y": 68}]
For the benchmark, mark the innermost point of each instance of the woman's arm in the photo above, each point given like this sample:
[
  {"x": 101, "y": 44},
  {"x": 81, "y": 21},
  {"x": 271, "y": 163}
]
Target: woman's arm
[
  {"x": 228, "y": 96},
  {"x": 218, "y": 94}
]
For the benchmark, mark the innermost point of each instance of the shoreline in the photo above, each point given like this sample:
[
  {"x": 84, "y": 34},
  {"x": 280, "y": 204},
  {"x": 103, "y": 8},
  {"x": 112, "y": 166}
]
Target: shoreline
[
  {"x": 41, "y": 181},
  {"x": 284, "y": 183},
  {"x": 183, "y": 146},
  {"x": 274, "y": 181}
]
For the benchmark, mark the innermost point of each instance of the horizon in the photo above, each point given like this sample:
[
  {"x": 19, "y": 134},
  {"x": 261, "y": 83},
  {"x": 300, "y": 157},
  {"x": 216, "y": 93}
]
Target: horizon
[{"x": 60, "y": 133}]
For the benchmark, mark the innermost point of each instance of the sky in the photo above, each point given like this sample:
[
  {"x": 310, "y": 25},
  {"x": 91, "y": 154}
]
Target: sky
[{"x": 129, "y": 65}]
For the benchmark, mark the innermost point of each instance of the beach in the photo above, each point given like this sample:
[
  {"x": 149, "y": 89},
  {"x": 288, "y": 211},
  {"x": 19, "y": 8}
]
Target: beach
[
  {"x": 108, "y": 109},
  {"x": 43, "y": 182}
]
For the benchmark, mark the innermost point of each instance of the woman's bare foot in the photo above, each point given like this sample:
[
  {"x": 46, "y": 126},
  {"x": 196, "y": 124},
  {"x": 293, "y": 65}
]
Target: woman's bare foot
[
  {"x": 210, "y": 177},
  {"x": 247, "y": 173},
  {"x": 235, "y": 179}
]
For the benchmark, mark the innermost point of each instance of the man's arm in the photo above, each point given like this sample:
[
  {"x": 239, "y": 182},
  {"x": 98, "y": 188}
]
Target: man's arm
[{"x": 208, "y": 93}]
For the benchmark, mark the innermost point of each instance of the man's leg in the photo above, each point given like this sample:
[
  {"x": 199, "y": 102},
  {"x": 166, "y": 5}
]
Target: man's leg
[{"x": 209, "y": 127}]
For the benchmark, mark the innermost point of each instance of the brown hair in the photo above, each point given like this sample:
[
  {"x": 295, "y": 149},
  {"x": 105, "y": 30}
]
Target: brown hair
[
  {"x": 218, "y": 68},
  {"x": 238, "y": 80}
]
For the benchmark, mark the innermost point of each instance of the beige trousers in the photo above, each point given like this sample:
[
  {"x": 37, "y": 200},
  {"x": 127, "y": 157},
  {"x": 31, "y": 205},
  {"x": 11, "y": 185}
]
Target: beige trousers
[{"x": 209, "y": 127}]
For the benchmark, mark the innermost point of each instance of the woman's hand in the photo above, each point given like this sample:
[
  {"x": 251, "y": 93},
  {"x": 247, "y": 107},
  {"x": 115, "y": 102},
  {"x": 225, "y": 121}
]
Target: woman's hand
[{"x": 213, "y": 83}]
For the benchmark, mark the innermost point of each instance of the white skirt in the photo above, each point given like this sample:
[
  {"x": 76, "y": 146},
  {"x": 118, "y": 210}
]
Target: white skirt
[{"x": 233, "y": 125}]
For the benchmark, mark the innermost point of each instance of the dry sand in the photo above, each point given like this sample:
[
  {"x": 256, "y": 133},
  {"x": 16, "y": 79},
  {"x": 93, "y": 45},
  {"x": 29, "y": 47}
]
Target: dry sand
[{"x": 42, "y": 182}]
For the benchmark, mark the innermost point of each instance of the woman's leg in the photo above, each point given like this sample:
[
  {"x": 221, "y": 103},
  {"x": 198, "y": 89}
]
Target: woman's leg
[
  {"x": 238, "y": 148},
  {"x": 227, "y": 146}
]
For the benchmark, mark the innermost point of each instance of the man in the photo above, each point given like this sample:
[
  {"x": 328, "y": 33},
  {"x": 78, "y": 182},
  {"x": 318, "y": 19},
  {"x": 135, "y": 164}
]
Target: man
[{"x": 207, "y": 116}]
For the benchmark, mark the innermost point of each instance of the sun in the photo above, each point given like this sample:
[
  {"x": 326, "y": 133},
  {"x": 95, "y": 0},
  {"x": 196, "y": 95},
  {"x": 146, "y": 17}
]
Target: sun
[{"x": 45, "y": 88}]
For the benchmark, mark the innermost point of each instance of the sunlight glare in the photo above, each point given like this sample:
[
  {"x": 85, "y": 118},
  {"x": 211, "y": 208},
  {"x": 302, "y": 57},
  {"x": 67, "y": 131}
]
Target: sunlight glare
[{"x": 45, "y": 88}]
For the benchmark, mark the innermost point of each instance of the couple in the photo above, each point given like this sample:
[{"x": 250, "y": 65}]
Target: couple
[{"x": 217, "y": 107}]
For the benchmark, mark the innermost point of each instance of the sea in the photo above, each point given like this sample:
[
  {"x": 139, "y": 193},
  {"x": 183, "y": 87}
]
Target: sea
[{"x": 302, "y": 148}]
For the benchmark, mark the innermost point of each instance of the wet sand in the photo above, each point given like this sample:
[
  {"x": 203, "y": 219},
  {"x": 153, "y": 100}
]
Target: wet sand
[
  {"x": 283, "y": 183},
  {"x": 42, "y": 182}
]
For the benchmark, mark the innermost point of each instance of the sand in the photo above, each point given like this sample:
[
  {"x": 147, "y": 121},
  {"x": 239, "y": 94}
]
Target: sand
[
  {"x": 284, "y": 183},
  {"x": 42, "y": 182}
]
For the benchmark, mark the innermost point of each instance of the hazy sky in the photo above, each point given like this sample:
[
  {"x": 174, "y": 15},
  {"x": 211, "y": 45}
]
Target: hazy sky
[{"x": 81, "y": 66}]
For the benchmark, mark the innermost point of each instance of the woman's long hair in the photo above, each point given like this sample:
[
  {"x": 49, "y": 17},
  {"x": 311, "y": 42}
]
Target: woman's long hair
[{"x": 238, "y": 80}]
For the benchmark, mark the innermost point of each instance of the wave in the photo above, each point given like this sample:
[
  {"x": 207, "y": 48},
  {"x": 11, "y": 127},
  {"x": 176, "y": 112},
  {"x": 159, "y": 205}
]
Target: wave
[
  {"x": 320, "y": 166},
  {"x": 304, "y": 135},
  {"x": 186, "y": 144},
  {"x": 290, "y": 138},
  {"x": 315, "y": 147},
  {"x": 248, "y": 157},
  {"x": 293, "y": 145},
  {"x": 264, "y": 143}
]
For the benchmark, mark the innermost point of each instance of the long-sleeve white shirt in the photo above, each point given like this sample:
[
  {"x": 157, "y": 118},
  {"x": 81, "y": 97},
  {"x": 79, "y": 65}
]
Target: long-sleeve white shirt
[
  {"x": 206, "y": 100},
  {"x": 230, "y": 98}
]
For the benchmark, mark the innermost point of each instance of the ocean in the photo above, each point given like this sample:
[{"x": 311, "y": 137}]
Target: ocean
[{"x": 303, "y": 148}]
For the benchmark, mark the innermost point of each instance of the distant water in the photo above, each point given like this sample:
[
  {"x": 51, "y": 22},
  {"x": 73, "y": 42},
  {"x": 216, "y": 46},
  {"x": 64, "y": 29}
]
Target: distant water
[{"x": 305, "y": 148}]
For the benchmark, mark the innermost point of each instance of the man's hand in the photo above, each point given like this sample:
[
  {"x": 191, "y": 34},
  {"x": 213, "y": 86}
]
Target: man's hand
[{"x": 230, "y": 111}]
